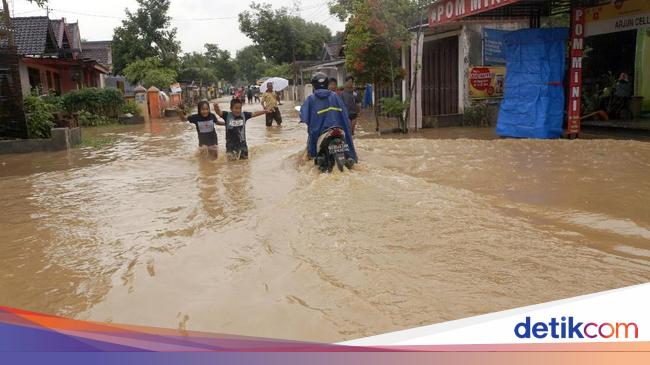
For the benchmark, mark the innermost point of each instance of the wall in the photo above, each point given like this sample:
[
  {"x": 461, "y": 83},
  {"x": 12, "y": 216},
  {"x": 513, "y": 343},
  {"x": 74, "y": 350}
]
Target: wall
[
  {"x": 471, "y": 45},
  {"x": 24, "y": 79},
  {"x": 12, "y": 117},
  {"x": 62, "y": 139}
]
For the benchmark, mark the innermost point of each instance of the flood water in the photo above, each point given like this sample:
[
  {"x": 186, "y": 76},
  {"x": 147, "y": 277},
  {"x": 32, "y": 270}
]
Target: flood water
[{"x": 146, "y": 231}]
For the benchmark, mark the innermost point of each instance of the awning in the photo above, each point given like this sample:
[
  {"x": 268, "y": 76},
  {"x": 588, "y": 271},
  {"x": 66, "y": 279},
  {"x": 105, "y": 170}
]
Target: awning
[{"x": 446, "y": 11}]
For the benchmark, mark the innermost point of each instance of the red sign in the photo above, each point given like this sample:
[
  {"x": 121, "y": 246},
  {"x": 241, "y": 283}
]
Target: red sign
[
  {"x": 445, "y": 11},
  {"x": 577, "y": 40},
  {"x": 480, "y": 78}
]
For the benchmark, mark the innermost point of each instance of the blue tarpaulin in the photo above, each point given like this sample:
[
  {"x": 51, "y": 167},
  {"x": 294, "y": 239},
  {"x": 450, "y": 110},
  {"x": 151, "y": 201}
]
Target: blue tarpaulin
[{"x": 533, "y": 101}]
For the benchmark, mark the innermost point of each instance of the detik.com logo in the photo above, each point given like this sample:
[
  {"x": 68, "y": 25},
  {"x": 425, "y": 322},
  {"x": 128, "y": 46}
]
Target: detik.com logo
[{"x": 568, "y": 327}]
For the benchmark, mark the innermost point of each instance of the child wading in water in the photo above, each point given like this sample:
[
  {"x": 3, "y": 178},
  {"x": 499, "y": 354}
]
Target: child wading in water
[
  {"x": 204, "y": 122},
  {"x": 236, "y": 120}
]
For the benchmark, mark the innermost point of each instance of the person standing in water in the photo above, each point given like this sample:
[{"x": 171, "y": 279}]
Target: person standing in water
[
  {"x": 270, "y": 104},
  {"x": 332, "y": 84},
  {"x": 204, "y": 121},
  {"x": 236, "y": 146},
  {"x": 352, "y": 101}
]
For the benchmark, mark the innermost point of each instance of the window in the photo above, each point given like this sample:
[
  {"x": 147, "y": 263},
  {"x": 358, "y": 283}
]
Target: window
[
  {"x": 35, "y": 79},
  {"x": 4, "y": 84}
]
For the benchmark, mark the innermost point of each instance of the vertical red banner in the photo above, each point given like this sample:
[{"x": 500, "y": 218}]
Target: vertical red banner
[{"x": 577, "y": 40}]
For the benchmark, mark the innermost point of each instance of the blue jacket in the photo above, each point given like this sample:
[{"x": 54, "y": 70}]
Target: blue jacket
[{"x": 323, "y": 110}]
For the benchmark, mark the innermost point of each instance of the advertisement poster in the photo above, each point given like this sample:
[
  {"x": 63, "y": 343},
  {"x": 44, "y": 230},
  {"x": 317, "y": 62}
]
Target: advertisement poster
[
  {"x": 486, "y": 82},
  {"x": 493, "y": 50}
]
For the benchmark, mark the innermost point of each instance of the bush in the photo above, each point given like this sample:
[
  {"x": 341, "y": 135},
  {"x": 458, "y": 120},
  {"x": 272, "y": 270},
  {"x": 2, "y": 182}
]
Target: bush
[
  {"x": 479, "y": 115},
  {"x": 39, "y": 117},
  {"x": 131, "y": 107},
  {"x": 104, "y": 102},
  {"x": 87, "y": 119},
  {"x": 394, "y": 107}
]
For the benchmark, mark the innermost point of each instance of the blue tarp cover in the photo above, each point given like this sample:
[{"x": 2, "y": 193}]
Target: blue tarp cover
[{"x": 533, "y": 101}]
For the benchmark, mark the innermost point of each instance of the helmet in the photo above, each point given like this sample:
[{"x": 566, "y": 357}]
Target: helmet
[{"x": 319, "y": 81}]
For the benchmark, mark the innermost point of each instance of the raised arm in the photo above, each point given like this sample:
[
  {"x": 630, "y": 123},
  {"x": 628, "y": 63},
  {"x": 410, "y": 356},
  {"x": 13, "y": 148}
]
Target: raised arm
[{"x": 259, "y": 113}]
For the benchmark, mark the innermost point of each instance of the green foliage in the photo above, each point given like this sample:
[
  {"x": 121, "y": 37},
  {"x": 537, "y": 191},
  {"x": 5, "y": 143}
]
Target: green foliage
[
  {"x": 196, "y": 67},
  {"x": 55, "y": 101},
  {"x": 87, "y": 119},
  {"x": 376, "y": 32},
  {"x": 393, "y": 106},
  {"x": 131, "y": 107},
  {"x": 282, "y": 37},
  {"x": 481, "y": 114},
  {"x": 282, "y": 70},
  {"x": 223, "y": 65},
  {"x": 252, "y": 63},
  {"x": 147, "y": 32},
  {"x": 39, "y": 117},
  {"x": 105, "y": 102},
  {"x": 150, "y": 72}
]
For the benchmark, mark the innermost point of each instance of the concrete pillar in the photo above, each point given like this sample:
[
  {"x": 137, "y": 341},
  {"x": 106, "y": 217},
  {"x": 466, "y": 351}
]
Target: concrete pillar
[
  {"x": 141, "y": 102},
  {"x": 153, "y": 98}
]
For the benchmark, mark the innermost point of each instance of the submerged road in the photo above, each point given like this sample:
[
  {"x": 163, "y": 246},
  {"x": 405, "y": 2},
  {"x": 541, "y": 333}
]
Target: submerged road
[{"x": 144, "y": 230}]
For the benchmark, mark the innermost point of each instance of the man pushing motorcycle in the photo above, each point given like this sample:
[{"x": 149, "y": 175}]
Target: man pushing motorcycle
[{"x": 329, "y": 140}]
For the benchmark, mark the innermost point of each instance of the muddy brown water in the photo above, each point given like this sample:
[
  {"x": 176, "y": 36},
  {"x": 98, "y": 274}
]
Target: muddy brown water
[{"x": 145, "y": 231}]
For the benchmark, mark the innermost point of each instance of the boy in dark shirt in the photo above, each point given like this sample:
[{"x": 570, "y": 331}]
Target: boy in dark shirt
[
  {"x": 235, "y": 122},
  {"x": 204, "y": 122}
]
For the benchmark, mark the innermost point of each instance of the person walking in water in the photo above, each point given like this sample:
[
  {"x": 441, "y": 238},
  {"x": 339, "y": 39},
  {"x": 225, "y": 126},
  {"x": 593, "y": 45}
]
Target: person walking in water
[
  {"x": 249, "y": 95},
  {"x": 204, "y": 121},
  {"x": 236, "y": 119},
  {"x": 270, "y": 104}
]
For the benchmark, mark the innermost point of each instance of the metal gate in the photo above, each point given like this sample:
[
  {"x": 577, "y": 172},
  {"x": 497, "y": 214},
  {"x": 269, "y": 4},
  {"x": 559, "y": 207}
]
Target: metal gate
[{"x": 440, "y": 77}]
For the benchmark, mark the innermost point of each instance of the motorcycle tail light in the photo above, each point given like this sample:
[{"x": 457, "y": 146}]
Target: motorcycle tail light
[{"x": 337, "y": 133}]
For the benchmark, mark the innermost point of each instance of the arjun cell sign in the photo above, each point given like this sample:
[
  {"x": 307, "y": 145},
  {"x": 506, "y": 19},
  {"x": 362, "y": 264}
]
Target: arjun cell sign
[
  {"x": 617, "y": 16},
  {"x": 486, "y": 82},
  {"x": 445, "y": 11}
]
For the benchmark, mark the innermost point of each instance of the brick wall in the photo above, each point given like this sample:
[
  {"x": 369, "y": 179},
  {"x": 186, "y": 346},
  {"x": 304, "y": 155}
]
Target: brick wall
[{"x": 12, "y": 117}]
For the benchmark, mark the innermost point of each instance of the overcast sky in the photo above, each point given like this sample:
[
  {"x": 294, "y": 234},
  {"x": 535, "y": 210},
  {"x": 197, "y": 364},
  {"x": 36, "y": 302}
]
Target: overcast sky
[{"x": 198, "y": 21}]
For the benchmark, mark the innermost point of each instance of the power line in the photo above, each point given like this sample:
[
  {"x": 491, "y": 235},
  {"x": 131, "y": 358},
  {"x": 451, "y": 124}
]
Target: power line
[{"x": 123, "y": 17}]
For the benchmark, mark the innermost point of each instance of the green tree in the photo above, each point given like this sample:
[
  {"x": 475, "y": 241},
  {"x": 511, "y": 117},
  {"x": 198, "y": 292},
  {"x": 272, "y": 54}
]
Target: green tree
[
  {"x": 145, "y": 33},
  {"x": 282, "y": 70},
  {"x": 376, "y": 32},
  {"x": 223, "y": 65},
  {"x": 280, "y": 36},
  {"x": 252, "y": 63},
  {"x": 149, "y": 72},
  {"x": 196, "y": 67}
]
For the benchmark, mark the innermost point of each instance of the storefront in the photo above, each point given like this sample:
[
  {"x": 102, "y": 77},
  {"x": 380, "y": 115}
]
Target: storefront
[
  {"x": 616, "y": 62},
  {"x": 460, "y": 55}
]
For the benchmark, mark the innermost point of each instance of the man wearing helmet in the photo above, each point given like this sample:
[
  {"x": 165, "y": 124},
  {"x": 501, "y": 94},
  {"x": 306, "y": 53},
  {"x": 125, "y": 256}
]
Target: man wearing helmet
[{"x": 324, "y": 110}]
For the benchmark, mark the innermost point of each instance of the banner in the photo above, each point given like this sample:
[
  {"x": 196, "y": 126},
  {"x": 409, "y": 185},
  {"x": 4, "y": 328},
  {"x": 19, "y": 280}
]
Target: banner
[
  {"x": 486, "y": 82},
  {"x": 574, "y": 105},
  {"x": 493, "y": 53},
  {"x": 617, "y": 16},
  {"x": 445, "y": 11}
]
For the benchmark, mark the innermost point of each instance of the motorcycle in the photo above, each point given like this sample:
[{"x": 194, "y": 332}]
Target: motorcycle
[{"x": 333, "y": 150}]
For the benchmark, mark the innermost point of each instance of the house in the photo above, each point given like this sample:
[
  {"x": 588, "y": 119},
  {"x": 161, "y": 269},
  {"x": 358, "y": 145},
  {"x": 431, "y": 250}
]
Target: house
[
  {"x": 51, "y": 57},
  {"x": 332, "y": 62}
]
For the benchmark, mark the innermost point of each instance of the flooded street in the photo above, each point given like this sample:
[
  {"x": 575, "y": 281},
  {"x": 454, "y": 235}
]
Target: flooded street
[{"x": 143, "y": 230}]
